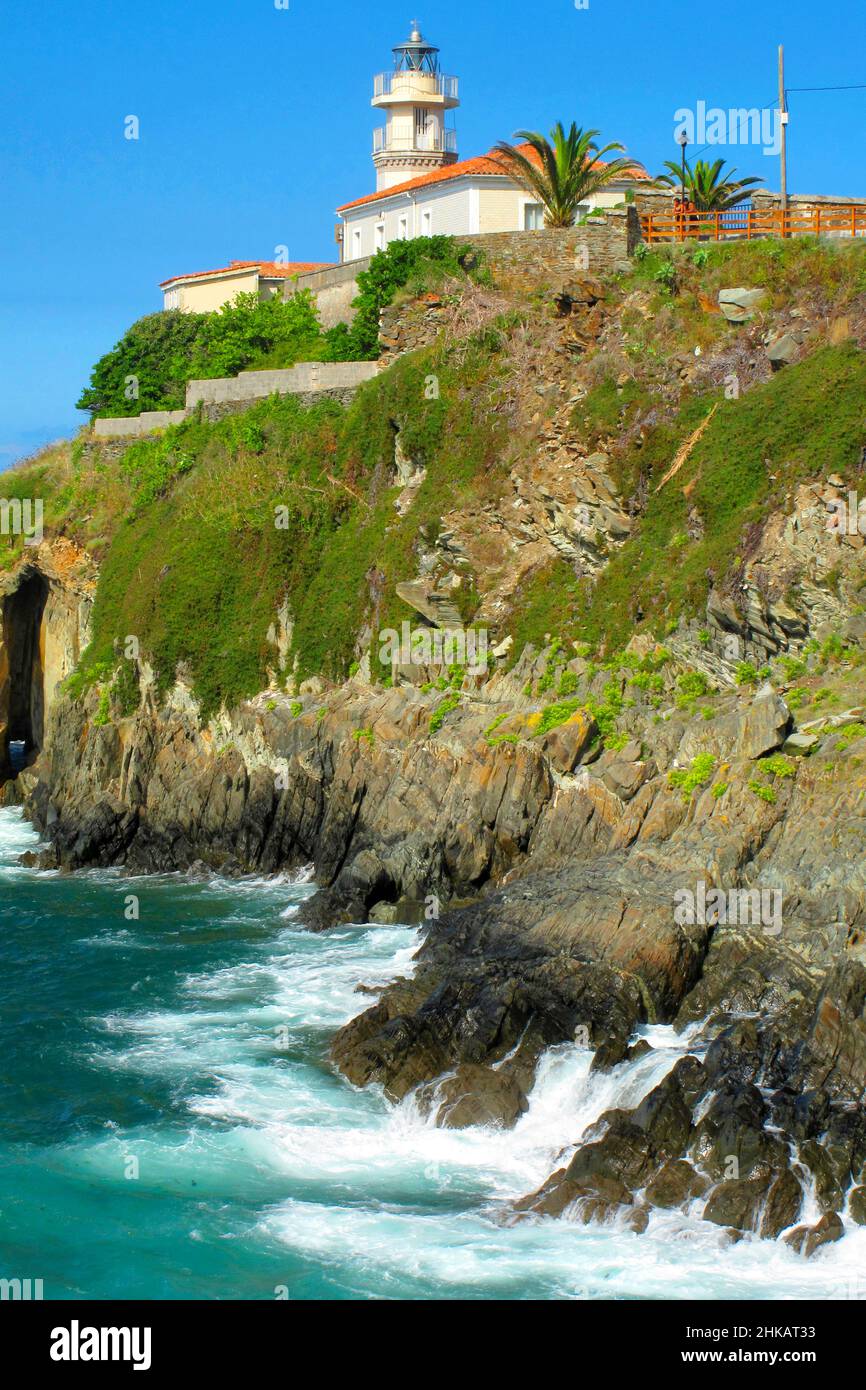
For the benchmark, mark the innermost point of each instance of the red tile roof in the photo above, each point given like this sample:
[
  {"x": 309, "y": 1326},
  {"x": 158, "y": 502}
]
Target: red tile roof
[
  {"x": 271, "y": 270},
  {"x": 482, "y": 164}
]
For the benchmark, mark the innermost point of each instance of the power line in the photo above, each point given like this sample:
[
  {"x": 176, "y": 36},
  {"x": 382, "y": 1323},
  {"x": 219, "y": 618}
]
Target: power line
[
  {"x": 769, "y": 106},
  {"x": 854, "y": 87}
]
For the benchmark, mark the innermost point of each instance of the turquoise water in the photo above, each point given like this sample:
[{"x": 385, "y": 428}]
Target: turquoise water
[{"x": 171, "y": 1127}]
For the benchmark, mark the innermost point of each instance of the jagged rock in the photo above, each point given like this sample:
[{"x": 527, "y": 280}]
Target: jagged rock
[
  {"x": 800, "y": 745},
  {"x": 675, "y": 1185},
  {"x": 758, "y": 728},
  {"x": 474, "y": 1095},
  {"x": 857, "y": 1205},
  {"x": 807, "y": 1239},
  {"x": 566, "y": 744},
  {"x": 739, "y": 305},
  {"x": 625, "y": 779},
  {"x": 783, "y": 351},
  {"x": 436, "y": 606}
]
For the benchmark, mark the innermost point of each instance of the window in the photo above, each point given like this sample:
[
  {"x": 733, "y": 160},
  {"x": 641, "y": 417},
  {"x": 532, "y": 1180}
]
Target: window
[
  {"x": 356, "y": 244},
  {"x": 380, "y": 236},
  {"x": 427, "y": 222},
  {"x": 403, "y": 232},
  {"x": 533, "y": 217}
]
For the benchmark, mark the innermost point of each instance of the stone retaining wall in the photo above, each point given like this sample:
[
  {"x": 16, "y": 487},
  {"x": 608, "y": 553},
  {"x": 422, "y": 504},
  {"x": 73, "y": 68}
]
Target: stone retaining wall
[
  {"x": 554, "y": 255},
  {"x": 137, "y": 425},
  {"x": 231, "y": 395},
  {"x": 539, "y": 257},
  {"x": 305, "y": 377}
]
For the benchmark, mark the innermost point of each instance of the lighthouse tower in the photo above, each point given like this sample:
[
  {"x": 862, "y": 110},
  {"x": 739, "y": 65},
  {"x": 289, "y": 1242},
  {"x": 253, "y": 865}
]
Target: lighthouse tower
[{"x": 415, "y": 97}]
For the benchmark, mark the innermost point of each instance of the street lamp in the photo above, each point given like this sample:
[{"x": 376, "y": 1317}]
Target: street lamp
[{"x": 684, "y": 140}]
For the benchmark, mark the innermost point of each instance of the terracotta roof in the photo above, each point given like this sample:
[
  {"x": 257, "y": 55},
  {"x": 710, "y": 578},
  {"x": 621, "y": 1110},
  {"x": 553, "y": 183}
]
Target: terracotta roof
[
  {"x": 482, "y": 164},
  {"x": 271, "y": 270}
]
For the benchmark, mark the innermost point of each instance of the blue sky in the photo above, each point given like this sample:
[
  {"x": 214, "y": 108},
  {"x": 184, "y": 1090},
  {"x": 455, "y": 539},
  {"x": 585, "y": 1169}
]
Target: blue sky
[{"x": 255, "y": 123}]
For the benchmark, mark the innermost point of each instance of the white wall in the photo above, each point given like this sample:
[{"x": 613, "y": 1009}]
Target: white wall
[
  {"x": 458, "y": 208},
  {"x": 451, "y": 210}
]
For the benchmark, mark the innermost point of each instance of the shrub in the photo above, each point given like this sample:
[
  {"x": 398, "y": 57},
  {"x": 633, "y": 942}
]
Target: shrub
[
  {"x": 777, "y": 765},
  {"x": 162, "y": 352},
  {"x": 762, "y": 790},
  {"x": 554, "y": 715},
  {"x": 437, "y": 718},
  {"x": 696, "y": 775},
  {"x": 156, "y": 351},
  {"x": 690, "y": 686}
]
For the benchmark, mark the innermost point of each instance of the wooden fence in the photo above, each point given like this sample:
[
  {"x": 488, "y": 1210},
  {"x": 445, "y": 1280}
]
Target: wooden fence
[{"x": 747, "y": 223}]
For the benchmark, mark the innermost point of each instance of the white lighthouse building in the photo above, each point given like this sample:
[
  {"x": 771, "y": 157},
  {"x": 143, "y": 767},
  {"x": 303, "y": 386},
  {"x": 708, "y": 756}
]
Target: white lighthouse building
[
  {"x": 421, "y": 187},
  {"x": 415, "y": 97}
]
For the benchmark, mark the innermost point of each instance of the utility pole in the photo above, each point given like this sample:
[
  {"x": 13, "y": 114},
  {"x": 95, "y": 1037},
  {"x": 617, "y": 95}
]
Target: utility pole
[{"x": 783, "y": 125}]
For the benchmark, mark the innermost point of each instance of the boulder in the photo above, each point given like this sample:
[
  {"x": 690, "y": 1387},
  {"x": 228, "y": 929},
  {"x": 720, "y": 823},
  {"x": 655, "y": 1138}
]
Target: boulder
[
  {"x": 739, "y": 305},
  {"x": 807, "y": 1239},
  {"x": 782, "y": 1206},
  {"x": 762, "y": 727},
  {"x": 474, "y": 1095},
  {"x": 675, "y": 1184},
  {"x": 783, "y": 351},
  {"x": 566, "y": 745},
  {"x": 800, "y": 745},
  {"x": 749, "y": 732},
  {"x": 598, "y": 1197},
  {"x": 738, "y": 1202},
  {"x": 857, "y": 1205}
]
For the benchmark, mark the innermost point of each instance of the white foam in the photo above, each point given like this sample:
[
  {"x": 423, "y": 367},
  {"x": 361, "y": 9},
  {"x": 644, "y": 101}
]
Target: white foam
[
  {"x": 378, "y": 1192},
  {"x": 17, "y": 836}
]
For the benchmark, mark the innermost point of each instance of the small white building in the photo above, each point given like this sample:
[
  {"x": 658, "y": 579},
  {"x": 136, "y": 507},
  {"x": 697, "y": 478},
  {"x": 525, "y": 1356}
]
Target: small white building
[
  {"x": 421, "y": 187},
  {"x": 203, "y": 291}
]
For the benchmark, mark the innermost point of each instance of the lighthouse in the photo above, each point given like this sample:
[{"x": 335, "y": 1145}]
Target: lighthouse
[{"x": 415, "y": 96}]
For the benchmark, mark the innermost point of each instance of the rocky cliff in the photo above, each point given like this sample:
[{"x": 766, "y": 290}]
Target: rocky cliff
[{"x": 646, "y": 806}]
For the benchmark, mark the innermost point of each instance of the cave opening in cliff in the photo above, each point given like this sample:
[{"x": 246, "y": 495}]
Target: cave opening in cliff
[{"x": 22, "y": 696}]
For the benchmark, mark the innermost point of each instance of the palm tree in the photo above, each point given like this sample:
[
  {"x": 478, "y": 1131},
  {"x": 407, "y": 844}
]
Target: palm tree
[
  {"x": 566, "y": 170},
  {"x": 707, "y": 189}
]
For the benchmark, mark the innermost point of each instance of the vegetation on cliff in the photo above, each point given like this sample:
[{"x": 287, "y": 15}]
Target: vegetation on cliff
[{"x": 206, "y": 532}]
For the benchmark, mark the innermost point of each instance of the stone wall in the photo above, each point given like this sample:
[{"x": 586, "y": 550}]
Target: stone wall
[
  {"x": 540, "y": 257},
  {"x": 304, "y": 378},
  {"x": 551, "y": 256},
  {"x": 230, "y": 395},
  {"x": 804, "y": 202},
  {"x": 805, "y": 206},
  {"x": 137, "y": 425}
]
